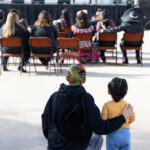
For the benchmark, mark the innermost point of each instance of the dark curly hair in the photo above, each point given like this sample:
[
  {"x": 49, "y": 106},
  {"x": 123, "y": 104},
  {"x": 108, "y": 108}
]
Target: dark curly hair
[{"x": 118, "y": 88}]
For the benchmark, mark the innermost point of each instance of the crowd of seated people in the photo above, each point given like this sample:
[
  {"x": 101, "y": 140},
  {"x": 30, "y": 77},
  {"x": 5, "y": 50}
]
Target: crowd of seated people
[{"x": 44, "y": 26}]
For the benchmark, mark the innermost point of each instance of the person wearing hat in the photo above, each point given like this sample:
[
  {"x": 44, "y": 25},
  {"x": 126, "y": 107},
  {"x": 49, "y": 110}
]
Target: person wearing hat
[
  {"x": 132, "y": 21},
  {"x": 71, "y": 120}
]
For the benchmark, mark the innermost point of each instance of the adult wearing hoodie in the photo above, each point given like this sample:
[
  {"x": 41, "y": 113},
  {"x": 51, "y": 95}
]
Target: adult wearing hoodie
[{"x": 75, "y": 132}]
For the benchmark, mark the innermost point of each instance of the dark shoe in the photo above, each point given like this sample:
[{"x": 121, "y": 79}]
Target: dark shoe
[
  {"x": 104, "y": 59},
  {"x": 139, "y": 61},
  {"x": 22, "y": 69},
  {"x": 125, "y": 61},
  {"x": 5, "y": 68}
]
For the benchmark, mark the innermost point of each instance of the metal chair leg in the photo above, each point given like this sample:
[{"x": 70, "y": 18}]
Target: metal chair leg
[{"x": 34, "y": 64}]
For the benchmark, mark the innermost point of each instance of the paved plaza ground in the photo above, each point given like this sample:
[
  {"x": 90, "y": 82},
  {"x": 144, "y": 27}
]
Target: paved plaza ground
[{"x": 22, "y": 100}]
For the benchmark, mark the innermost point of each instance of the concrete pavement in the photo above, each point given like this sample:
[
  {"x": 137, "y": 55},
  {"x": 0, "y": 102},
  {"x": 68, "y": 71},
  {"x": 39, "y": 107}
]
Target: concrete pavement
[{"x": 22, "y": 100}]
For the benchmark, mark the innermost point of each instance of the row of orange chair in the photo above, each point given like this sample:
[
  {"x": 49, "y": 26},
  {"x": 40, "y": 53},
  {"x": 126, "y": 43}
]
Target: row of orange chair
[{"x": 71, "y": 44}]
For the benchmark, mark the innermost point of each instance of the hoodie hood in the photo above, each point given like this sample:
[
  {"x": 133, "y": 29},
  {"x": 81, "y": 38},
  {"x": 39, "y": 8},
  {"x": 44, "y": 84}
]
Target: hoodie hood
[{"x": 67, "y": 92}]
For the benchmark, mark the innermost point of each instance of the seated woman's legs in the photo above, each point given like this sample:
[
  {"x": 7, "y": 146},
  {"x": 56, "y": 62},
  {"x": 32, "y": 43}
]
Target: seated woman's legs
[
  {"x": 44, "y": 61},
  {"x": 138, "y": 56},
  {"x": 102, "y": 55},
  {"x": 4, "y": 63}
]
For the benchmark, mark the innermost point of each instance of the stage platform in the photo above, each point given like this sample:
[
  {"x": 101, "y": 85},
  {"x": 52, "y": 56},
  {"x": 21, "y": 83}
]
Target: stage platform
[{"x": 31, "y": 11}]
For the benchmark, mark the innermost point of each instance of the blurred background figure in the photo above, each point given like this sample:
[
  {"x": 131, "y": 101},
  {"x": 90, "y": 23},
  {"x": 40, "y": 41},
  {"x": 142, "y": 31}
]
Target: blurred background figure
[
  {"x": 102, "y": 15},
  {"x": 2, "y": 15},
  {"x": 132, "y": 21},
  {"x": 91, "y": 1},
  {"x": 82, "y": 26},
  {"x": 64, "y": 18},
  {"x": 12, "y": 29},
  {"x": 93, "y": 21},
  {"x": 43, "y": 27}
]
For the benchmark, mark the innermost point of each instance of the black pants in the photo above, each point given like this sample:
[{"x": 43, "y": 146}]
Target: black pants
[
  {"x": 124, "y": 52},
  {"x": 15, "y": 51}
]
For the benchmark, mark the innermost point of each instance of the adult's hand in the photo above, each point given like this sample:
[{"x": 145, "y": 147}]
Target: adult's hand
[{"x": 128, "y": 111}]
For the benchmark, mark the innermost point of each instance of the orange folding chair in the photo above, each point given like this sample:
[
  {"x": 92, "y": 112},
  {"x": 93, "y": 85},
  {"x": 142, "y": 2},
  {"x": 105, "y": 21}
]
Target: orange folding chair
[
  {"x": 66, "y": 29},
  {"x": 130, "y": 37},
  {"x": 108, "y": 38},
  {"x": 62, "y": 35},
  {"x": 41, "y": 42},
  {"x": 13, "y": 42},
  {"x": 84, "y": 37},
  {"x": 72, "y": 45}
]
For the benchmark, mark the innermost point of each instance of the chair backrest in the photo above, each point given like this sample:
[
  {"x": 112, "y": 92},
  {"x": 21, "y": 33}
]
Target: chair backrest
[
  {"x": 85, "y": 40},
  {"x": 107, "y": 37},
  {"x": 40, "y": 42},
  {"x": 66, "y": 29},
  {"x": 132, "y": 36},
  {"x": 68, "y": 43},
  {"x": 83, "y": 36},
  {"x": 11, "y": 42},
  {"x": 40, "y": 45},
  {"x": 62, "y": 35}
]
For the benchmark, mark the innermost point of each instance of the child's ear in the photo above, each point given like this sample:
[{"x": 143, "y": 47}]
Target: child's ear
[{"x": 109, "y": 92}]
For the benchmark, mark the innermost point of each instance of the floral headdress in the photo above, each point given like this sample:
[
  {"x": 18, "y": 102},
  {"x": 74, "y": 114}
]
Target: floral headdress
[{"x": 82, "y": 10}]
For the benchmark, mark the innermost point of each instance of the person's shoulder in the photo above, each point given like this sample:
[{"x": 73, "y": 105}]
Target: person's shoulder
[
  {"x": 110, "y": 102},
  {"x": 52, "y": 97},
  {"x": 123, "y": 102},
  {"x": 89, "y": 97},
  {"x": 54, "y": 94}
]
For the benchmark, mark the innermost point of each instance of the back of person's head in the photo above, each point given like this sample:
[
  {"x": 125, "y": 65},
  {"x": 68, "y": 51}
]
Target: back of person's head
[
  {"x": 104, "y": 14},
  {"x": 15, "y": 11},
  {"x": 10, "y": 25},
  {"x": 57, "y": 24},
  {"x": 76, "y": 74},
  {"x": 24, "y": 23},
  {"x": 2, "y": 14},
  {"x": 105, "y": 23},
  {"x": 44, "y": 19},
  {"x": 65, "y": 16},
  {"x": 117, "y": 88},
  {"x": 82, "y": 19}
]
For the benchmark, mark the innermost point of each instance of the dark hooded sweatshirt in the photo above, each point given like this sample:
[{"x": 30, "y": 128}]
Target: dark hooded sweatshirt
[{"x": 91, "y": 119}]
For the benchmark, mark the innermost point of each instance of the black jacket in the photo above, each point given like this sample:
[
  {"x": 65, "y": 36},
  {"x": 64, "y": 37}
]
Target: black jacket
[
  {"x": 24, "y": 35},
  {"x": 50, "y": 32},
  {"x": 130, "y": 27},
  {"x": 91, "y": 118}
]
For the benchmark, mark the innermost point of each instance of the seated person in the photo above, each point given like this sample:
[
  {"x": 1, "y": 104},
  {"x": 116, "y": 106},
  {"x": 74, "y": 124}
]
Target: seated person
[
  {"x": 12, "y": 29},
  {"x": 132, "y": 22},
  {"x": 43, "y": 27}
]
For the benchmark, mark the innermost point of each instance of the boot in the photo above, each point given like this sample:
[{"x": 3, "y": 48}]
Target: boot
[
  {"x": 104, "y": 59},
  {"x": 125, "y": 60},
  {"x": 22, "y": 69},
  {"x": 139, "y": 61},
  {"x": 5, "y": 68}
]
